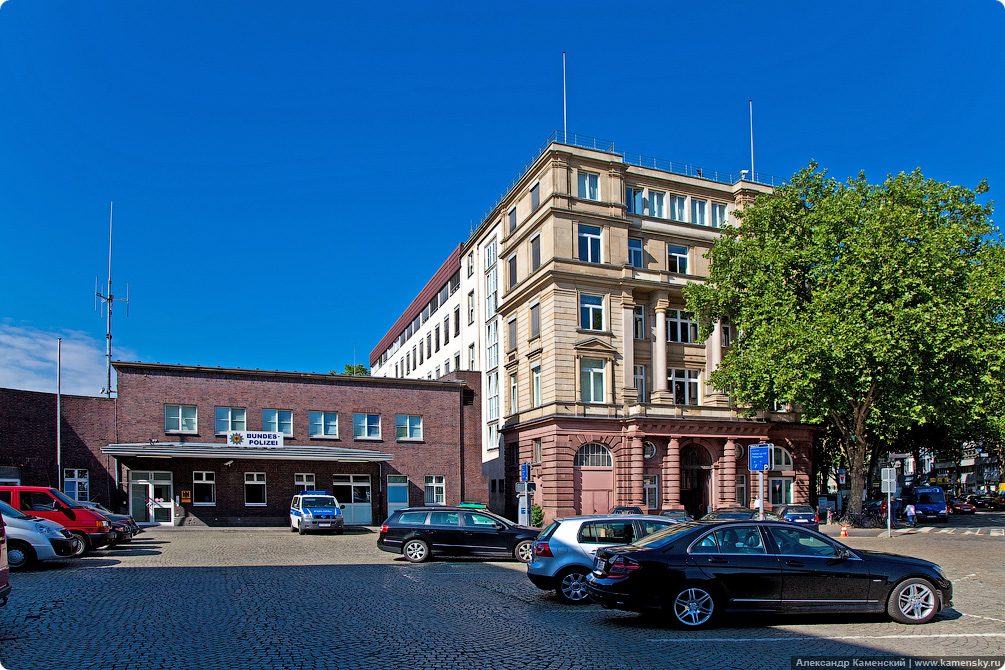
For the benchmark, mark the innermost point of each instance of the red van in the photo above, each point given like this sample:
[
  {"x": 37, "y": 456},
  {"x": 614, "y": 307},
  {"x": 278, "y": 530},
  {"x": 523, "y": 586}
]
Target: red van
[
  {"x": 91, "y": 528},
  {"x": 4, "y": 570}
]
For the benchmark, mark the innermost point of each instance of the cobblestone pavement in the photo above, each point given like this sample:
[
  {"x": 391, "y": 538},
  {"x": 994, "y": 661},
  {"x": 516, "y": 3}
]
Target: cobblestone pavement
[{"x": 267, "y": 598}]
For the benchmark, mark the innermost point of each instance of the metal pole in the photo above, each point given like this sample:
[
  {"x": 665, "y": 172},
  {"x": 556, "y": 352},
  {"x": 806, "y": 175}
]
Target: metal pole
[
  {"x": 760, "y": 494},
  {"x": 889, "y": 515},
  {"x": 752, "y": 142},
  {"x": 565, "y": 108},
  {"x": 59, "y": 414},
  {"x": 108, "y": 331}
]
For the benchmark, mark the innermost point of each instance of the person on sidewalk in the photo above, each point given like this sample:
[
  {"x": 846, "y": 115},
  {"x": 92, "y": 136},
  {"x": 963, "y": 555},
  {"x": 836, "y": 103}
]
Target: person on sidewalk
[{"x": 909, "y": 510}]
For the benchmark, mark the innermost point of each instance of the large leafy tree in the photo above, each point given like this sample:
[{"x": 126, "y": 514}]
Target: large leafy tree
[
  {"x": 355, "y": 370},
  {"x": 871, "y": 307}
]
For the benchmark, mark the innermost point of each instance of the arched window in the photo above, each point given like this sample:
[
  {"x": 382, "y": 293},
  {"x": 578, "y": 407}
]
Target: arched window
[
  {"x": 782, "y": 459},
  {"x": 593, "y": 455}
]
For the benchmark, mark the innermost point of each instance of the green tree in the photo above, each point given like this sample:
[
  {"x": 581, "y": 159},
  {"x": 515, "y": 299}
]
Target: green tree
[
  {"x": 358, "y": 370},
  {"x": 870, "y": 307}
]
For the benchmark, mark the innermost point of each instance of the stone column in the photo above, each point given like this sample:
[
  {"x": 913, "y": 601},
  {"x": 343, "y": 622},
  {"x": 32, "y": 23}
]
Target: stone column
[
  {"x": 729, "y": 474},
  {"x": 660, "y": 393},
  {"x": 671, "y": 476},
  {"x": 629, "y": 392},
  {"x": 637, "y": 492}
]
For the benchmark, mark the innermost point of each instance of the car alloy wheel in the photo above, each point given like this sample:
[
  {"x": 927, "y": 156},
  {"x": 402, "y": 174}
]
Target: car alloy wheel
[
  {"x": 19, "y": 555},
  {"x": 572, "y": 587},
  {"x": 415, "y": 551},
  {"x": 912, "y": 601},
  {"x": 524, "y": 551},
  {"x": 693, "y": 607},
  {"x": 81, "y": 546}
]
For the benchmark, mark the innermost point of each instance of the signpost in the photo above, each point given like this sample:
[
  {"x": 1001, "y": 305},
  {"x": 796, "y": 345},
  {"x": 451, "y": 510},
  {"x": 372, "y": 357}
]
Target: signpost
[
  {"x": 523, "y": 490},
  {"x": 889, "y": 483},
  {"x": 759, "y": 456}
]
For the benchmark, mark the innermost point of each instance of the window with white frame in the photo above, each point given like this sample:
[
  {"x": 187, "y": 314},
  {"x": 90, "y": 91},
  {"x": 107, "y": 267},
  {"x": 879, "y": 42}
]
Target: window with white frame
[
  {"x": 303, "y": 481},
  {"x": 493, "y": 396},
  {"x": 535, "y": 196},
  {"x": 681, "y": 327},
  {"x": 180, "y": 419},
  {"x": 591, "y": 375},
  {"x": 684, "y": 384},
  {"x": 589, "y": 186},
  {"x": 639, "y": 322},
  {"x": 278, "y": 421},
  {"x": 471, "y": 357},
  {"x": 457, "y": 321},
  {"x": 589, "y": 243},
  {"x": 593, "y": 455},
  {"x": 437, "y": 372},
  {"x": 741, "y": 489},
  {"x": 492, "y": 344},
  {"x": 535, "y": 252},
  {"x": 435, "y": 490},
  {"x": 727, "y": 333},
  {"x": 782, "y": 459},
  {"x": 429, "y": 346},
  {"x": 75, "y": 484},
  {"x": 678, "y": 208},
  {"x": 493, "y": 443},
  {"x": 230, "y": 418},
  {"x": 471, "y": 307},
  {"x": 535, "y": 320},
  {"x": 677, "y": 259},
  {"x": 408, "y": 427},
  {"x": 535, "y": 385},
  {"x": 436, "y": 337},
  {"x": 718, "y": 215},
  {"x": 513, "y": 397},
  {"x": 446, "y": 367},
  {"x": 204, "y": 487},
  {"x": 457, "y": 360},
  {"x": 698, "y": 207},
  {"x": 781, "y": 490},
  {"x": 591, "y": 312},
  {"x": 446, "y": 330},
  {"x": 650, "y": 486},
  {"x": 657, "y": 204},
  {"x": 639, "y": 375},
  {"x": 635, "y": 252},
  {"x": 254, "y": 489},
  {"x": 634, "y": 201},
  {"x": 366, "y": 426},
  {"x": 471, "y": 263},
  {"x": 491, "y": 292}
]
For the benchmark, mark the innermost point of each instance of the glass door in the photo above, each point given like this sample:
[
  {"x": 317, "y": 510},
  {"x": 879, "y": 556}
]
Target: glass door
[
  {"x": 353, "y": 491},
  {"x": 151, "y": 497},
  {"x": 397, "y": 493}
]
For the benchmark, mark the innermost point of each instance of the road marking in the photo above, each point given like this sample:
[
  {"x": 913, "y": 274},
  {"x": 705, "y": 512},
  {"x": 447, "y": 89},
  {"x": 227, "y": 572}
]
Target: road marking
[
  {"x": 976, "y": 616},
  {"x": 948, "y": 530},
  {"x": 998, "y": 531},
  {"x": 797, "y": 638},
  {"x": 976, "y": 531},
  {"x": 904, "y": 530},
  {"x": 926, "y": 529}
]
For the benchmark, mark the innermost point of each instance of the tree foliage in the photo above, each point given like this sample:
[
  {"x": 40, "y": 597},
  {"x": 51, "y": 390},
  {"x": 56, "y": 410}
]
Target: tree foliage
[
  {"x": 870, "y": 307},
  {"x": 358, "y": 370}
]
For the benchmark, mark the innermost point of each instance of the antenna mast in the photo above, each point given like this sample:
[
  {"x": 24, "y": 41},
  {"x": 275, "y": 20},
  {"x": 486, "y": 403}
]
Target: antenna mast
[{"x": 107, "y": 300}]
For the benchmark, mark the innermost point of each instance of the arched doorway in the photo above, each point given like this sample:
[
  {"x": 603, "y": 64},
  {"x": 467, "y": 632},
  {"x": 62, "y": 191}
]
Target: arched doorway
[
  {"x": 593, "y": 479},
  {"x": 695, "y": 480}
]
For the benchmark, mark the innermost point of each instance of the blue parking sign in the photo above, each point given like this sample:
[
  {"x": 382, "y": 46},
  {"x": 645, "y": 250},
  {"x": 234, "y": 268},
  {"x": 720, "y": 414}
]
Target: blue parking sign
[
  {"x": 760, "y": 456},
  {"x": 525, "y": 472}
]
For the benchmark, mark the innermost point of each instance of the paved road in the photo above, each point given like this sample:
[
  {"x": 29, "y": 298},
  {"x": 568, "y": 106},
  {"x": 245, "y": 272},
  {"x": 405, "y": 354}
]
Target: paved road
[{"x": 266, "y": 598}]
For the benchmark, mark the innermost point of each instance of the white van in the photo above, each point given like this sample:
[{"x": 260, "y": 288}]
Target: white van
[{"x": 31, "y": 539}]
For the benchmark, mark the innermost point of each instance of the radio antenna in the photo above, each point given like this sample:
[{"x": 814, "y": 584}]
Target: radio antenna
[{"x": 107, "y": 299}]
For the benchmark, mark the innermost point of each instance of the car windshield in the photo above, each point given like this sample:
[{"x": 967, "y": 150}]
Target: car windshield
[
  {"x": 69, "y": 502},
  {"x": 668, "y": 534},
  {"x": 7, "y": 510},
  {"x": 320, "y": 501},
  {"x": 98, "y": 506}
]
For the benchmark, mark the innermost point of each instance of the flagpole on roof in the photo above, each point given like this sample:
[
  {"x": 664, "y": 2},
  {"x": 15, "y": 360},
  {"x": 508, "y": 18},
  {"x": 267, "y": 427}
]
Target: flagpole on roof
[{"x": 565, "y": 107}]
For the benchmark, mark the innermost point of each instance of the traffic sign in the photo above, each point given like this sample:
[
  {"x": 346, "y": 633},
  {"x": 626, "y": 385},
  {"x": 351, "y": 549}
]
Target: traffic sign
[
  {"x": 760, "y": 457},
  {"x": 526, "y": 487},
  {"x": 889, "y": 475},
  {"x": 525, "y": 472},
  {"x": 887, "y": 486}
]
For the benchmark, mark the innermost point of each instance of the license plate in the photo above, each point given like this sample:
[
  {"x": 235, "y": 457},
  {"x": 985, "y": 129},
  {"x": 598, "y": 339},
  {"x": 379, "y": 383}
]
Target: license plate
[{"x": 324, "y": 525}]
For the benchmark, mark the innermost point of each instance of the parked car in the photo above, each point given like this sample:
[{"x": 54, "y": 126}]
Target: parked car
[
  {"x": 695, "y": 571},
  {"x": 979, "y": 501},
  {"x": 734, "y": 513},
  {"x": 564, "y": 551},
  {"x": 4, "y": 570},
  {"x": 420, "y": 532},
  {"x": 962, "y": 507},
  {"x": 90, "y": 527},
  {"x": 316, "y": 510},
  {"x": 625, "y": 509},
  {"x": 678, "y": 515},
  {"x": 134, "y": 528},
  {"x": 804, "y": 515},
  {"x": 31, "y": 539}
]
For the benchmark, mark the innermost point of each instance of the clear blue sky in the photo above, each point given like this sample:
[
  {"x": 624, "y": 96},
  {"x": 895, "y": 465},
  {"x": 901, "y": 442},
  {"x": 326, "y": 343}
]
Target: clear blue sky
[{"x": 286, "y": 176}]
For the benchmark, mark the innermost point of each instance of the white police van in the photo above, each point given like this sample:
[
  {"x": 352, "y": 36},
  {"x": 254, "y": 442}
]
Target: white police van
[{"x": 316, "y": 510}]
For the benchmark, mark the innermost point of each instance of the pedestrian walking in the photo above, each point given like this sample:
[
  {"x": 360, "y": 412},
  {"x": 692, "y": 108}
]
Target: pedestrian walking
[{"x": 909, "y": 510}]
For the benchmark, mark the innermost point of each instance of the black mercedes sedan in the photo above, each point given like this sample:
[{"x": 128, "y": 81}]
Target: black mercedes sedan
[
  {"x": 420, "y": 532},
  {"x": 695, "y": 571}
]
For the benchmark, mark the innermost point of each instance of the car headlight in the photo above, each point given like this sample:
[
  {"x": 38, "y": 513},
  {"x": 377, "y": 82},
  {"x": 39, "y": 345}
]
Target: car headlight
[
  {"x": 45, "y": 529},
  {"x": 307, "y": 513}
]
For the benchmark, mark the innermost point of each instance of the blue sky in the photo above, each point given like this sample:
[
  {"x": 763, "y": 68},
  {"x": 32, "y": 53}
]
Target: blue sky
[{"x": 286, "y": 176}]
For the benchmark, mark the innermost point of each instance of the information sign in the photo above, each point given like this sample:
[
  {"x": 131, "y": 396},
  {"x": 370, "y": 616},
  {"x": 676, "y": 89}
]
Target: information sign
[{"x": 760, "y": 457}]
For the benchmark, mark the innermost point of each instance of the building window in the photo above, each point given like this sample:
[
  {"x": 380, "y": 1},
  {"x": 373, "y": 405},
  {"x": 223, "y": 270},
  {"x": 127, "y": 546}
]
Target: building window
[
  {"x": 491, "y": 344},
  {"x": 204, "y": 488},
  {"x": 436, "y": 492},
  {"x": 727, "y": 334},
  {"x": 437, "y": 372},
  {"x": 230, "y": 418},
  {"x": 429, "y": 346},
  {"x": 593, "y": 455},
  {"x": 490, "y": 254},
  {"x": 491, "y": 293},
  {"x": 718, "y": 215},
  {"x": 180, "y": 419},
  {"x": 512, "y": 270},
  {"x": 535, "y": 253},
  {"x": 681, "y": 327},
  {"x": 436, "y": 337},
  {"x": 781, "y": 459},
  {"x": 677, "y": 259},
  {"x": 408, "y": 362},
  {"x": 408, "y": 427},
  {"x": 589, "y": 186},
  {"x": 366, "y": 426},
  {"x": 513, "y": 397},
  {"x": 650, "y": 485},
  {"x": 538, "y": 451},
  {"x": 471, "y": 263},
  {"x": 698, "y": 211},
  {"x": 471, "y": 307},
  {"x": 457, "y": 318},
  {"x": 634, "y": 200},
  {"x": 511, "y": 335},
  {"x": 685, "y": 386},
  {"x": 535, "y": 196},
  {"x": 75, "y": 484},
  {"x": 446, "y": 367},
  {"x": 493, "y": 396},
  {"x": 536, "y": 386},
  {"x": 512, "y": 219},
  {"x": 589, "y": 244},
  {"x": 278, "y": 421},
  {"x": 471, "y": 357},
  {"x": 657, "y": 204},
  {"x": 639, "y": 322},
  {"x": 635, "y": 252},
  {"x": 678, "y": 208},
  {"x": 741, "y": 489},
  {"x": 323, "y": 424},
  {"x": 591, "y": 375},
  {"x": 591, "y": 312},
  {"x": 493, "y": 443},
  {"x": 457, "y": 360},
  {"x": 303, "y": 481},
  {"x": 639, "y": 375},
  {"x": 421, "y": 352},
  {"x": 535, "y": 321},
  {"x": 781, "y": 491},
  {"x": 254, "y": 489},
  {"x": 446, "y": 331}
]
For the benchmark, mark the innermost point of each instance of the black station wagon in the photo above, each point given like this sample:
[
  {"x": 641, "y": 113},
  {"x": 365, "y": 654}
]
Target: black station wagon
[{"x": 419, "y": 532}]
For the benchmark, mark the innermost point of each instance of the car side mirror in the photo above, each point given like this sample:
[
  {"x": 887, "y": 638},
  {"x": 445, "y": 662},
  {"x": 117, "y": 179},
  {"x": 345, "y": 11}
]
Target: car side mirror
[
  {"x": 844, "y": 554},
  {"x": 499, "y": 525},
  {"x": 341, "y": 506}
]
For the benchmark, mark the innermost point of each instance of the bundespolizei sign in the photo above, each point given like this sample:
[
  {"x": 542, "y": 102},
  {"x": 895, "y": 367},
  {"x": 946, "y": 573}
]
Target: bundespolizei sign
[
  {"x": 254, "y": 439},
  {"x": 760, "y": 456}
]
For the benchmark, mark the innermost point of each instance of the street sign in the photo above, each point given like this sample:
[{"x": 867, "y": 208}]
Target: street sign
[
  {"x": 525, "y": 472},
  {"x": 887, "y": 486},
  {"x": 526, "y": 487},
  {"x": 889, "y": 475},
  {"x": 760, "y": 457}
]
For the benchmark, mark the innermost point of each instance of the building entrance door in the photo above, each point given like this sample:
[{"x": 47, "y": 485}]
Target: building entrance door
[
  {"x": 695, "y": 481},
  {"x": 397, "y": 493},
  {"x": 151, "y": 497},
  {"x": 353, "y": 491}
]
